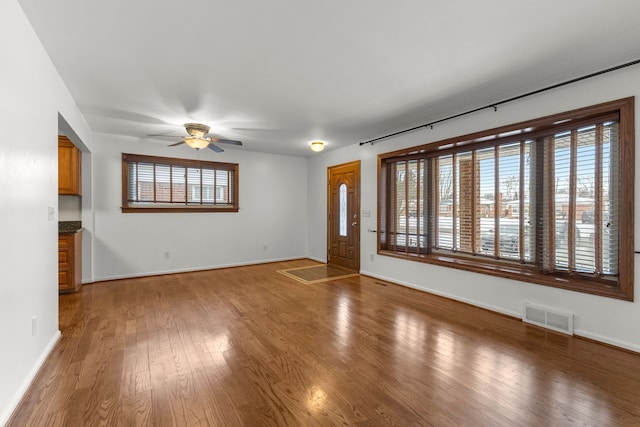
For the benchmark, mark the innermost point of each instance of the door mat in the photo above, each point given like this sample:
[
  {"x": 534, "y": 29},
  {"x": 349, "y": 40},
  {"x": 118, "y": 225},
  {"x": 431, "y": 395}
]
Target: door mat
[{"x": 318, "y": 273}]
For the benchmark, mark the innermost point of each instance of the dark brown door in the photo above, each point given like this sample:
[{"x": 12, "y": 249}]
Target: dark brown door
[{"x": 344, "y": 215}]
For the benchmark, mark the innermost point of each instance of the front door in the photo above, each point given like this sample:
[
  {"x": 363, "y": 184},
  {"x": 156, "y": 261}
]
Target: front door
[{"x": 344, "y": 215}]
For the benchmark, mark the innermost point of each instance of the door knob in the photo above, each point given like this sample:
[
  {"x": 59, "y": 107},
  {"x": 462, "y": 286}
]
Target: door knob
[{"x": 354, "y": 223}]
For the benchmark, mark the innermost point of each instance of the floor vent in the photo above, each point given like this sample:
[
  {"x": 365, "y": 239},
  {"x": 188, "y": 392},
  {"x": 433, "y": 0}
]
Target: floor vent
[{"x": 548, "y": 318}]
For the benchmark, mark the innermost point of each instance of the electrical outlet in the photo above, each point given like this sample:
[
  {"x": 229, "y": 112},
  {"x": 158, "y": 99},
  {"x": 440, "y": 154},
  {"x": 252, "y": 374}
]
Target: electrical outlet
[
  {"x": 51, "y": 213},
  {"x": 34, "y": 326},
  {"x": 265, "y": 247},
  {"x": 371, "y": 257},
  {"x": 167, "y": 255}
]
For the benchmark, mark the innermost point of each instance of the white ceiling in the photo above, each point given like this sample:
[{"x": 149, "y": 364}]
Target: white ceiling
[{"x": 277, "y": 74}]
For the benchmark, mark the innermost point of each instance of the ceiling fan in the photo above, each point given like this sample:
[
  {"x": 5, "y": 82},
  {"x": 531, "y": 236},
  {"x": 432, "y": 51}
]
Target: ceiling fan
[{"x": 199, "y": 137}]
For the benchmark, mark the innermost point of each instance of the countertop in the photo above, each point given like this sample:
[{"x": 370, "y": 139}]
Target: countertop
[{"x": 69, "y": 226}]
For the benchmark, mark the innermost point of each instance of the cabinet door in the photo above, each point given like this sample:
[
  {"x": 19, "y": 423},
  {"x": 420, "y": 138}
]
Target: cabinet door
[
  {"x": 70, "y": 262},
  {"x": 65, "y": 263},
  {"x": 68, "y": 167}
]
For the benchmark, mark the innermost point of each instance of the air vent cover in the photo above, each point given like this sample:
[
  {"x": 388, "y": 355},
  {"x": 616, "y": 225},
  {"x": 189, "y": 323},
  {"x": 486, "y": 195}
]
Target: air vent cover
[{"x": 548, "y": 318}]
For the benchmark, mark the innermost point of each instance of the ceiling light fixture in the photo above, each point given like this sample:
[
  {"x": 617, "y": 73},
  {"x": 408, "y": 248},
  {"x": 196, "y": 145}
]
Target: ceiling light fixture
[
  {"x": 196, "y": 138},
  {"x": 317, "y": 146},
  {"x": 196, "y": 142}
]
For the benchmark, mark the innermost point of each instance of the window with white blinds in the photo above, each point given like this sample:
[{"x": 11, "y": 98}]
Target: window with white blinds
[
  {"x": 548, "y": 201},
  {"x": 161, "y": 184}
]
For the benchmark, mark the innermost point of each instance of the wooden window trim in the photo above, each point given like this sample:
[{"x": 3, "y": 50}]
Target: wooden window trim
[
  {"x": 177, "y": 208},
  {"x": 623, "y": 110},
  {"x": 515, "y": 271}
]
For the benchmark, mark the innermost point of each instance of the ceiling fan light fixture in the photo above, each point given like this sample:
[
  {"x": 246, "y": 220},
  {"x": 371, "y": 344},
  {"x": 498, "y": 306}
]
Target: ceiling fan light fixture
[
  {"x": 317, "y": 146},
  {"x": 195, "y": 142},
  {"x": 197, "y": 129}
]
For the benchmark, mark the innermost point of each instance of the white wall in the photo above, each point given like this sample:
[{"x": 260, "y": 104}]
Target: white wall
[
  {"x": 604, "y": 319},
  {"x": 273, "y": 212},
  {"x": 32, "y": 96}
]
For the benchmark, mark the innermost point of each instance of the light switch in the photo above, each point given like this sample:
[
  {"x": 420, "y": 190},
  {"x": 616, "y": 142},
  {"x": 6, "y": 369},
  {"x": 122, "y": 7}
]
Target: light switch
[{"x": 52, "y": 213}]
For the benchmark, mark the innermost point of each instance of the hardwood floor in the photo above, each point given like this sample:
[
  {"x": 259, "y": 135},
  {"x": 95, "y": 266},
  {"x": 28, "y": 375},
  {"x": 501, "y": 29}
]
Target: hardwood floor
[{"x": 250, "y": 347}]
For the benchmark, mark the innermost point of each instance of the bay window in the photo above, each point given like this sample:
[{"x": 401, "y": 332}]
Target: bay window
[{"x": 549, "y": 201}]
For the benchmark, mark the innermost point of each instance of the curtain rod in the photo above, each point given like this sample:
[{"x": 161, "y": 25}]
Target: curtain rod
[{"x": 495, "y": 104}]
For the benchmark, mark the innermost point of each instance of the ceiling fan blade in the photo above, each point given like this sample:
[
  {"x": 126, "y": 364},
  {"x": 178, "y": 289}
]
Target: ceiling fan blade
[
  {"x": 225, "y": 141},
  {"x": 157, "y": 135},
  {"x": 215, "y": 148},
  {"x": 177, "y": 143}
]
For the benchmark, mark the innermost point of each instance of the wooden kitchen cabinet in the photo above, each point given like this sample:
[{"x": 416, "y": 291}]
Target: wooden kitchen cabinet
[
  {"x": 69, "y": 261},
  {"x": 69, "y": 160}
]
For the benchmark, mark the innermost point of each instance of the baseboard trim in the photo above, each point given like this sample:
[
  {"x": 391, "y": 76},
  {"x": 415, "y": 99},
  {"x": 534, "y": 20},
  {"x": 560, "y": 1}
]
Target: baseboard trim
[
  {"x": 607, "y": 341},
  {"x": 623, "y": 345},
  {"x": 509, "y": 313},
  {"x": 24, "y": 387},
  {"x": 190, "y": 270}
]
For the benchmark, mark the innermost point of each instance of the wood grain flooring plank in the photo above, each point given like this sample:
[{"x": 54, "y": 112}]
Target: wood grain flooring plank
[{"x": 249, "y": 346}]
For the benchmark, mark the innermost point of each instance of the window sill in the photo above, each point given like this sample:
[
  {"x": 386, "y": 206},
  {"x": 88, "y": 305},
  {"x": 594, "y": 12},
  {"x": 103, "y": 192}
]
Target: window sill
[
  {"x": 520, "y": 272},
  {"x": 173, "y": 209}
]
